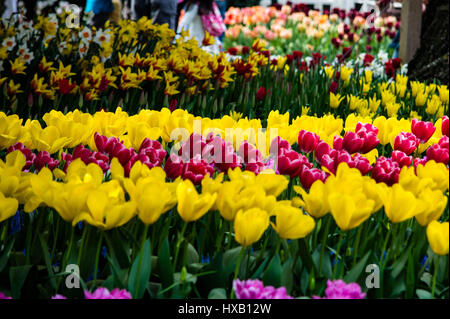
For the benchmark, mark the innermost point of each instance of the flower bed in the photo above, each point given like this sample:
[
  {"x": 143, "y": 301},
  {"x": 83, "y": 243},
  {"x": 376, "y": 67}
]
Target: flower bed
[{"x": 256, "y": 176}]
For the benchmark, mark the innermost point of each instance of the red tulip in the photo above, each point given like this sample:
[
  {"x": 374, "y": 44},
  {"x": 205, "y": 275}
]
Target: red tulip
[
  {"x": 44, "y": 159},
  {"x": 29, "y": 155},
  {"x": 368, "y": 133},
  {"x": 406, "y": 142},
  {"x": 352, "y": 142},
  {"x": 401, "y": 158},
  {"x": 174, "y": 166},
  {"x": 444, "y": 128},
  {"x": 309, "y": 175},
  {"x": 307, "y": 141},
  {"x": 291, "y": 163},
  {"x": 386, "y": 171},
  {"x": 422, "y": 130},
  {"x": 438, "y": 154},
  {"x": 261, "y": 94},
  {"x": 196, "y": 169},
  {"x": 361, "y": 163}
]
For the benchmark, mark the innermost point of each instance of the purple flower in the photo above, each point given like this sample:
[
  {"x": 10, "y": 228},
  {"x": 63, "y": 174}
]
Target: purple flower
[
  {"x": 103, "y": 293},
  {"x": 255, "y": 289},
  {"x": 2, "y": 296},
  {"x": 58, "y": 297},
  {"x": 338, "y": 289}
]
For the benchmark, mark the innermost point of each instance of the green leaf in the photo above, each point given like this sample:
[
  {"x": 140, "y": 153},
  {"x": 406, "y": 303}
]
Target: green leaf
[
  {"x": 427, "y": 278},
  {"x": 287, "y": 277},
  {"x": 230, "y": 259},
  {"x": 165, "y": 269},
  {"x": 272, "y": 275},
  {"x": 326, "y": 262},
  {"x": 17, "y": 276},
  {"x": 47, "y": 261},
  {"x": 4, "y": 258},
  {"x": 355, "y": 272},
  {"x": 217, "y": 293},
  {"x": 116, "y": 249},
  {"x": 140, "y": 272},
  {"x": 398, "y": 266},
  {"x": 423, "y": 294},
  {"x": 192, "y": 255},
  {"x": 119, "y": 275},
  {"x": 260, "y": 269},
  {"x": 410, "y": 277},
  {"x": 304, "y": 281}
]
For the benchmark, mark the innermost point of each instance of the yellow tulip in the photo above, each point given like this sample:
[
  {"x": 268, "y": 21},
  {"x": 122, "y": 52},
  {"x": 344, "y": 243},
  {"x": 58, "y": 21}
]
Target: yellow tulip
[
  {"x": 437, "y": 234},
  {"x": 212, "y": 186},
  {"x": 250, "y": 225},
  {"x": 8, "y": 207},
  {"x": 438, "y": 172},
  {"x": 10, "y": 129},
  {"x": 191, "y": 205},
  {"x": 435, "y": 203},
  {"x": 350, "y": 211},
  {"x": 292, "y": 223},
  {"x": 400, "y": 204},
  {"x": 106, "y": 207},
  {"x": 152, "y": 197},
  {"x": 335, "y": 100},
  {"x": 315, "y": 203}
]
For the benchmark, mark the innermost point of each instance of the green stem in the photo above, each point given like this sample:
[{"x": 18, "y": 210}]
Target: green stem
[
  {"x": 97, "y": 257},
  {"x": 143, "y": 238},
  {"x": 177, "y": 252},
  {"x": 83, "y": 239},
  {"x": 358, "y": 237},
  {"x": 436, "y": 266},
  {"x": 238, "y": 265},
  {"x": 55, "y": 240},
  {"x": 67, "y": 256},
  {"x": 341, "y": 236},
  {"x": 323, "y": 244},
  {"x": 383, "y": 250}
]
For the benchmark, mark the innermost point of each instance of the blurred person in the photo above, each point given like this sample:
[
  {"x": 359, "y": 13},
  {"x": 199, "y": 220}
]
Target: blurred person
[
  {"x": 102, "y": 10},
  {"x": 116, "y": 15},
  {"x": 201, "y": 16},
  {"x": 161, "y": 11}
]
